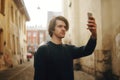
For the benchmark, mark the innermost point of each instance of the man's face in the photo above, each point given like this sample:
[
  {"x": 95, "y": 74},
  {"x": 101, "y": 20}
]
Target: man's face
[{"x": 60, "y": 29}]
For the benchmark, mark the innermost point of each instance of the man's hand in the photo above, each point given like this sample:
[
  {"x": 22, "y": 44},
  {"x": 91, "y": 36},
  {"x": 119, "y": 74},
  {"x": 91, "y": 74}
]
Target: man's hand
[{"x": 92, "y": 27}]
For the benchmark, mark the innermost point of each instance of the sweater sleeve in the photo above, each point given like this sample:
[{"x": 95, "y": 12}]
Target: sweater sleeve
[
  {"x": 82, "y": 51},
  {"x": 40, "y": 64}
]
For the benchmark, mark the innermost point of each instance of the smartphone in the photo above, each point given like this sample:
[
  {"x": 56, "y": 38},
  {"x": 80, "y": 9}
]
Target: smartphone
[{"x": 89, "y": 14}]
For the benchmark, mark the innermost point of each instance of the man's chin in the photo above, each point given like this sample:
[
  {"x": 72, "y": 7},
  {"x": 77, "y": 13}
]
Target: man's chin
[{"x": 62, "y": 37}]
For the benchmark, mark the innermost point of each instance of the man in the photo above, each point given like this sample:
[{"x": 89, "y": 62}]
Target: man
[{"x": 54, "y": 60}]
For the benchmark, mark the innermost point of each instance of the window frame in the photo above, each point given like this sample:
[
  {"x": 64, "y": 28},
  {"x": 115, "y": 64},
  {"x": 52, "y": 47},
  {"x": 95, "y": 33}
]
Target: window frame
[{"x": 2, "y": 7}]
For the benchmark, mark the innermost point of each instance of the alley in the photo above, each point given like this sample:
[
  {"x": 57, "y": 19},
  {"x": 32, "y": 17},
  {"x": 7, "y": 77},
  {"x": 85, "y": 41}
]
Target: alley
[
  {"x": 80, "y": 75},
  {"x": 24, "y": 26},
  {"x": 19, "y": 72},
  {"x": 26, "y": 72}
]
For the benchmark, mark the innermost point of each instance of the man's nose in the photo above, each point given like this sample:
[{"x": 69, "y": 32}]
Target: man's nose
[{"x": 64, "y": 28}]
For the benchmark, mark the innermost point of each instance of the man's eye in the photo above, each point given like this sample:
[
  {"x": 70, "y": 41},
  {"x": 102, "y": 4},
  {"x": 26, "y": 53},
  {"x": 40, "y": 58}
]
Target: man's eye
[{"x": 60, "y": 26}]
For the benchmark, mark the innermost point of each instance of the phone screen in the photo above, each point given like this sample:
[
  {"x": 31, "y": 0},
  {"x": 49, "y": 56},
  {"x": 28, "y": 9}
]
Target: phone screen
[{"x": 89, "y": 14}]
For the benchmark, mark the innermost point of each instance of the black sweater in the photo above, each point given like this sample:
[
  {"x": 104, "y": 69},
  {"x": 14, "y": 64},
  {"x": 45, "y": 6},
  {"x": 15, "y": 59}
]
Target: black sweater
[{"x": 55, "y": 62}]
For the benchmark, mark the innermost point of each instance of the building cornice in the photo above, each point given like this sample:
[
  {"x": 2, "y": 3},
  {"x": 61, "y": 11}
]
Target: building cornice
[{"x": 21, "y": 6}]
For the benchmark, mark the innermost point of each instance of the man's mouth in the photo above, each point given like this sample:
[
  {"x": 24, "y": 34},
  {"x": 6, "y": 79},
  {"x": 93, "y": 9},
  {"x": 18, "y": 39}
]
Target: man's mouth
[{"x": 63, "y": 33}]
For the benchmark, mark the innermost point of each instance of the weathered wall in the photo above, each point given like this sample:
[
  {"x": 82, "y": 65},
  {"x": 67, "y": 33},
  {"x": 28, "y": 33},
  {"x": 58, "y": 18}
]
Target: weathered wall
[
  {"x": 13, "y": 24},
  {"x": 94, "y": 7},
  {"x": 105, "y": 61},
  {"x": 78, "y": 32},
  {"x": 3, "y": 36},
  {"x": 116, "y": 38}
]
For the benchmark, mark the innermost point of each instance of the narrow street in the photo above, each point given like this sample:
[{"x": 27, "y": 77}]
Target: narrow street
[
  {"x": 20, "y": 72},
  {"x": 91, "y": 25},
  {"x": 80, "y": 75},
  {"x": 25, "y": 72}
]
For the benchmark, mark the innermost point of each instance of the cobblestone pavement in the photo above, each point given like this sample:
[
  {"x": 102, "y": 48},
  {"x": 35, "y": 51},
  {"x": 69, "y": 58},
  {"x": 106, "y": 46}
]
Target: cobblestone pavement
[
  {"x": 19, "y": 72},
  {"x": 26, "y": 72},
  {"x": 80, "y": 75}
]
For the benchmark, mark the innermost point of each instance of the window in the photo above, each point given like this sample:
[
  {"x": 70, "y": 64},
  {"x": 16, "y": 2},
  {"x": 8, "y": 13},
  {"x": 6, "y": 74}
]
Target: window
[
  {"x": 29, "y": 34},
  {"x": 12, "y": 13},
  {"x": 16, "y": 17},
  {"x": 29, "y": 41},
  {"x": 0, "y": 42},
  {"x": 2, "y": 6},
  {"x": 34, "y": 34},
  {"x": 41, "y": 37}
]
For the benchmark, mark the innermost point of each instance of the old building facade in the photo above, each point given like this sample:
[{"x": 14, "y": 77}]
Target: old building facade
[
  {"x": 105, "y": 61},
  {"x": 35, "y": 37},
  {"x": 13, "y": 17}
]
